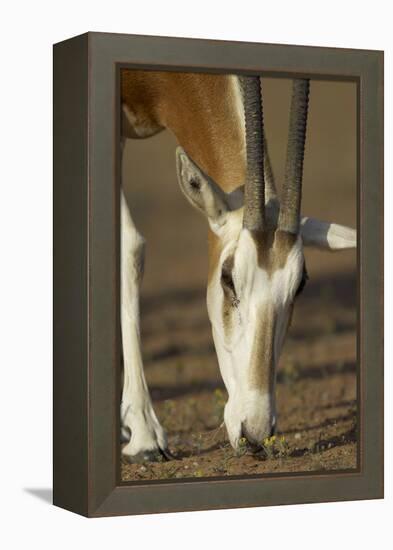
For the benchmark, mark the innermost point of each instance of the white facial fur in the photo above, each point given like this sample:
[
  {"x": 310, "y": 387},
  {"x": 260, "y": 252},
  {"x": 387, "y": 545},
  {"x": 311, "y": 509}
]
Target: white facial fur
[
  {"x": 261, "y": 311},
  {"x": 265, "y": 278}
]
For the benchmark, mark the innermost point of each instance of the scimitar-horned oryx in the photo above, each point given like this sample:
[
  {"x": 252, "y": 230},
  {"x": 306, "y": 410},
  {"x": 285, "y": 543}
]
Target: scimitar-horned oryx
[{"x": 256, "y": 259}]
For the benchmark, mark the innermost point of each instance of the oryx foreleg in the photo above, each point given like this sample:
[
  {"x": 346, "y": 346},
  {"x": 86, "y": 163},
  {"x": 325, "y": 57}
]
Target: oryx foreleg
[{"x": 147, "y": 439}]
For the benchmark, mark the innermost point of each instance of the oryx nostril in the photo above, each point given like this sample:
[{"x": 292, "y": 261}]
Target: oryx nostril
[
  {"x": 255, "y": 430},
  {"x": 253, "y": 435}
]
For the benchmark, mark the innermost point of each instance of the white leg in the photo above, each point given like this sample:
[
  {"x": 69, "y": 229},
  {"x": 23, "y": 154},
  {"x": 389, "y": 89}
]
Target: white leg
[{"x": 148, "y": 440}]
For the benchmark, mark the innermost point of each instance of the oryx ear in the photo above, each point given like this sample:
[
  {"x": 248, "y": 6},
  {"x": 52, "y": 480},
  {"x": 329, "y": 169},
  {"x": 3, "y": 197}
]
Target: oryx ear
[
  {"x": 201, "y": 191},
  {"x": 327, "y": 236}
]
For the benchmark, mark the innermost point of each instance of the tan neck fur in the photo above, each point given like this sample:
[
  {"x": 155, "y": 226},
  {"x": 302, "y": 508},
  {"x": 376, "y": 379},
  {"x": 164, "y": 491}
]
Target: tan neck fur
[{"x": 203, "y": 111}]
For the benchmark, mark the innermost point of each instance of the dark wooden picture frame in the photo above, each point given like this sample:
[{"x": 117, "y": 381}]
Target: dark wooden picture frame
[{"x": 86, "y": 273}]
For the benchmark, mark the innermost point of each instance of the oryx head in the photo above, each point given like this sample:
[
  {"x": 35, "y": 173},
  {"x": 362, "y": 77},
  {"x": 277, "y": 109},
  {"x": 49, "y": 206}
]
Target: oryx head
[{"x": 257, "y": 266}]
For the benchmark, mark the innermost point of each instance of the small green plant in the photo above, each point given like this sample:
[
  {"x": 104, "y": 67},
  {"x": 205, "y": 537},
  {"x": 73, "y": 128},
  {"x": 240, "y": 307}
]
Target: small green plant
[
  {"x": 275, "y": 447},
  {"x": 242, "y": 447},
  {"x": 268, "y": 446},
  {"x": 282, "y": 447}
]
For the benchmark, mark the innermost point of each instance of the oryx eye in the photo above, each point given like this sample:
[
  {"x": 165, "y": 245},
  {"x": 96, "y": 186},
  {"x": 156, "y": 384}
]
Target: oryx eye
[
  {"x": 195, "y": 184},
  {"x": 302, "y": 282}
]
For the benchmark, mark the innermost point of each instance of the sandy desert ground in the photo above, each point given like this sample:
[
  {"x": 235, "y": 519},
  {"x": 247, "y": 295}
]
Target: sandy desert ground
[{"x": 317, "y": 375}]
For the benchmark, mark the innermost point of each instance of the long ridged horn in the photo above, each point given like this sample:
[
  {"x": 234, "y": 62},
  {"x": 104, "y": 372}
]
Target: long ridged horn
[
  {"x": 254, "y": 199},
  {"x": 289, "y": 219},
  {"x": 270, "y": 183}
]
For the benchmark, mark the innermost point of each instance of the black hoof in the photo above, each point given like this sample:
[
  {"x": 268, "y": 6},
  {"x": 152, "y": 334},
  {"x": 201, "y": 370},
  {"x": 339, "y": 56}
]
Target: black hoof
[{"x": 156, "y": 455}]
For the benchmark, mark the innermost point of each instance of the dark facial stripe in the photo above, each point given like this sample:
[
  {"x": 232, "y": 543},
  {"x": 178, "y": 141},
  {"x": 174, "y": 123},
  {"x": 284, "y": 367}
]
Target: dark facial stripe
[{"x": 262, "y": 354}]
